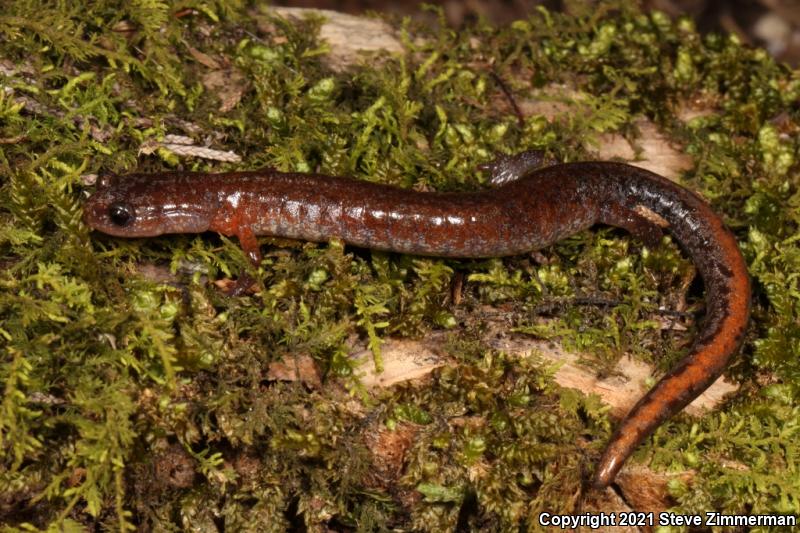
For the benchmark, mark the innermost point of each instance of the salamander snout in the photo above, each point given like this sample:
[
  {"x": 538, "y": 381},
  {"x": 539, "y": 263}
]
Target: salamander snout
[
  {"x": 117, "y": 216},
  {"x": 136, "y": 207}
]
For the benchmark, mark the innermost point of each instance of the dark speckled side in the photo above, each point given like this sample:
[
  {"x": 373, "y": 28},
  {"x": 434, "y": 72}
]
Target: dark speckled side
[{"x": 524, "y": 214}]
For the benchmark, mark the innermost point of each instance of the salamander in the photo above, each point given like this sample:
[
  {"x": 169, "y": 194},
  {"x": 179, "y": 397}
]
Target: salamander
[{"x": 531, "y": 205}]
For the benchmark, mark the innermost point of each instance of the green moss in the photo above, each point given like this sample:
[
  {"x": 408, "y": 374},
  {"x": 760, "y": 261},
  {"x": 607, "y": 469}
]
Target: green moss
[
  {"x": 494, "y": 431},
  {"x": 133, "y": 400}
]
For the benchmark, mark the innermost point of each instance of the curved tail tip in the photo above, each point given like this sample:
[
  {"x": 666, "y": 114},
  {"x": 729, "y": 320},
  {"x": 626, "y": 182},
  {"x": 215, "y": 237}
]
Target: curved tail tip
[{"x": 606, "y": 471}]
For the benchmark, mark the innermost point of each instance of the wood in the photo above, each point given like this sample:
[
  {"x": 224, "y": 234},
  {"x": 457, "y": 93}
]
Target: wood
[{"x": 409, "y": 360}]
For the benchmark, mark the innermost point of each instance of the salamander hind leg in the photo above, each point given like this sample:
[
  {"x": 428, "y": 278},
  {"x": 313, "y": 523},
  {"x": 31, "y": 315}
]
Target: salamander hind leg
[
  {"x": 644, "y": 229},
  {"x": 507, "y": 168}
]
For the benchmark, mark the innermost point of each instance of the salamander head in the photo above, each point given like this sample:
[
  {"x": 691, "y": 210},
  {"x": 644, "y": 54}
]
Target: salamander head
[{"x": 142, "y": 205}]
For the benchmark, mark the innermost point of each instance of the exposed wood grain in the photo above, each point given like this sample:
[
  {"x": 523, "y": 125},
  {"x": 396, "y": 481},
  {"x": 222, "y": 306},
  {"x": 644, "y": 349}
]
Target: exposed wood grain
[
  {"x": 350, "y": 38},
  {"x": 407, "y": 360}
]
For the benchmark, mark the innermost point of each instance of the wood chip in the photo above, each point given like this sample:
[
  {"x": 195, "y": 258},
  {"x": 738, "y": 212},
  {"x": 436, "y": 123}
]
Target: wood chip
[
  {"x": 349, "y": 37},
  {"x": 301, "y": 368}
]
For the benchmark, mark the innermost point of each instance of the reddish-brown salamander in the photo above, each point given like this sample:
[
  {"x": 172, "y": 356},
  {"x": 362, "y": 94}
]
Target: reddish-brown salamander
[{"x": 530, "y": 208}]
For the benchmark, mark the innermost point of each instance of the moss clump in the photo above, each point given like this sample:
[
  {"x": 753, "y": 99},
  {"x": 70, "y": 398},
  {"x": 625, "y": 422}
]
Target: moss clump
[{"x": 139, "y": 396}]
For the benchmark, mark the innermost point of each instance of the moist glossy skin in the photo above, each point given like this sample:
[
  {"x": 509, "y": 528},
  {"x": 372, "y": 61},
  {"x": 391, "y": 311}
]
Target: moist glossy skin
[{"x": 534, "y": 208}]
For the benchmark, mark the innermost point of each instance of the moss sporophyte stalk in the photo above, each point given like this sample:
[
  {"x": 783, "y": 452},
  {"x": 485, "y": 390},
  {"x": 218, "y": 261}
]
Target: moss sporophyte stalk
[{"x": 137, "y": 394}]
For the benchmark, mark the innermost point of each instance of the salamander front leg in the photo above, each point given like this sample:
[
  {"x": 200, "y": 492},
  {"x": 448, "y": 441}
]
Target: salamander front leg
[{"x": 249, "y": 243}]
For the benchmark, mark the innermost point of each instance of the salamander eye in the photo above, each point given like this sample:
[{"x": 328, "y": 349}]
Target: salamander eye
[{"x": 121, "y": 213}]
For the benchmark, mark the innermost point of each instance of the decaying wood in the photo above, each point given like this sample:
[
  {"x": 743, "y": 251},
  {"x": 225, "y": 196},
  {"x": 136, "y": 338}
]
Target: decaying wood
[
  {"x": 350, "y": 37},
  {"x": 408, "y": 360}
]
